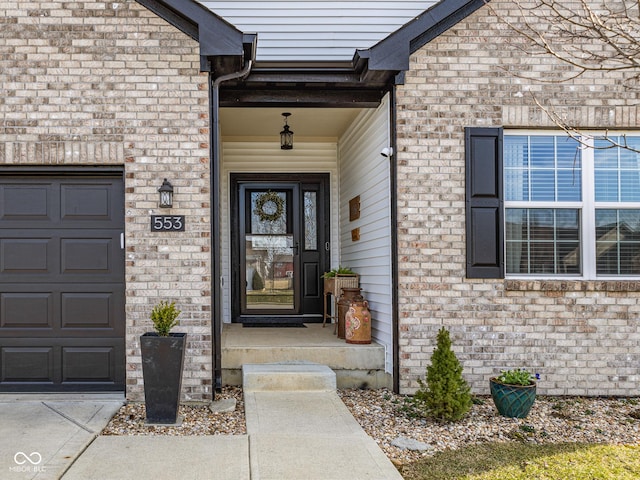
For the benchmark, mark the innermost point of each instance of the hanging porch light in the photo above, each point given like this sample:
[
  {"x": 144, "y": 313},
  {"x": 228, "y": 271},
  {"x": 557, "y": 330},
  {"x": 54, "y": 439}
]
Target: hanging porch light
[{"x": 286, "y": 135}]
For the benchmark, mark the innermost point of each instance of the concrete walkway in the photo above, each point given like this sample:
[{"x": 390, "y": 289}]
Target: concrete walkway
[
  {"x": 41, "y": 435},
  {"x": 299, "y": 428},
  {"x": 292, "y": 434}
]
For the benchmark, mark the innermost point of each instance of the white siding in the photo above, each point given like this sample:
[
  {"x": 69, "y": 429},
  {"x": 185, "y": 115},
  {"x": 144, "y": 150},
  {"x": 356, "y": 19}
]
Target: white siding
[
  {"x": 364, "y": 172},
  {"x": 267, "y": 157},
  {"x": 316, "y": 30}
]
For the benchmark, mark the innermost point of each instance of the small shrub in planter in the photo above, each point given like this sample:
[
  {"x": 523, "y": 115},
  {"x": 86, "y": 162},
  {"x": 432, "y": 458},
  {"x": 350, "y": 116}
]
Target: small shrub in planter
[
  {"x": 162, "y": 361},
  {"x": 445, "y": 395},
  {"x": 164, "y": 317},
  {"x": 514, "y": 392}
]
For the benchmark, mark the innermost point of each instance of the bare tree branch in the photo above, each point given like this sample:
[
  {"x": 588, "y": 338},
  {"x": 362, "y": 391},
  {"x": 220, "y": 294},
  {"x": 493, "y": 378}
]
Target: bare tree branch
[{"x": 586, "y": 36}]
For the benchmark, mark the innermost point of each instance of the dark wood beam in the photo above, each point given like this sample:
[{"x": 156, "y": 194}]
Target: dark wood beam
[{"x": 300, "y": 97}]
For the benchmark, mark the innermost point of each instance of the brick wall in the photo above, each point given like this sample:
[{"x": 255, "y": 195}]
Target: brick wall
[
  {"x": 582, "y": 337},
  {"x": 93, "y": 83}
]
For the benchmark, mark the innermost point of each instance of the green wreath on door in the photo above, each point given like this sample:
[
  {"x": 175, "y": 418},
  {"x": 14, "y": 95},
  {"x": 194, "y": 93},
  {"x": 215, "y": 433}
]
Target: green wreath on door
[{"x": 269, "y": 206}]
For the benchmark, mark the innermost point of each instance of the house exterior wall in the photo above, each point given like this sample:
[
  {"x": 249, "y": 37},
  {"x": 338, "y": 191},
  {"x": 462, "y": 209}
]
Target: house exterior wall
[
  {"x": 366, "y": 173},
  {"x": 581, "y": 336},
  {"x": 93, "y": 83}
]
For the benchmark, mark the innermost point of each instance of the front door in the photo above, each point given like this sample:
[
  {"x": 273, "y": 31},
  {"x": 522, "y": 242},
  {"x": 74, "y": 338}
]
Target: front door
[{"x": 280, "y": 239}]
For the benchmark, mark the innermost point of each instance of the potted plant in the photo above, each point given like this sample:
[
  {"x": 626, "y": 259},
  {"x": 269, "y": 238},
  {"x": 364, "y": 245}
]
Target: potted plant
[
  {"x": 162, "y": 361},
  {"x": 513, "y": 392},
  {"x": 334, "y": 281}
]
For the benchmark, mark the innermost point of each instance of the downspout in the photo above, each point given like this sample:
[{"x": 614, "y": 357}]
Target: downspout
[
  {"x": 214, "y": 202},
  {"x": 393, "y": 171}
]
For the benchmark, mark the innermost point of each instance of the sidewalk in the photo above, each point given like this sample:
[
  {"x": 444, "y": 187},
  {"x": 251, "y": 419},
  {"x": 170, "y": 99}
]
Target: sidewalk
[
  {"x": 305, "y": 434},
  {"x": 41, "y": 435}
]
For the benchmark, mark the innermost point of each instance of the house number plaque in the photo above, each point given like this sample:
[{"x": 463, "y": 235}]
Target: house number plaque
[{"x": 167, "y": 223}]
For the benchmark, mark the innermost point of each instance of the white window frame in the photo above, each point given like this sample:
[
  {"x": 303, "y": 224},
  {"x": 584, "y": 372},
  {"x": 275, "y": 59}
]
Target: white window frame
[{"x": 587, "y": 208}]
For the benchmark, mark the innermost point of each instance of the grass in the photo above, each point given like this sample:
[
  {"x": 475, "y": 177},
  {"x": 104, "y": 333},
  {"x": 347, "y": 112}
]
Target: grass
[{"x": 521, "y": 461}]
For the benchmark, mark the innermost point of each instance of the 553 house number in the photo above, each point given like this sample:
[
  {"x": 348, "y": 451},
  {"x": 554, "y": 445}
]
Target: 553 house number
[{"x": 167, "y": 223}]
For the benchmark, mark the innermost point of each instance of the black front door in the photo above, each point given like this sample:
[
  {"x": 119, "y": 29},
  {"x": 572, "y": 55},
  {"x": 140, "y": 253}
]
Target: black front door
[{"x": 280, "y": 247}]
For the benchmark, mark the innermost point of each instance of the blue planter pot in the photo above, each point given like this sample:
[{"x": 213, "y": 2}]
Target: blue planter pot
[{"x": 512, "y": 400}]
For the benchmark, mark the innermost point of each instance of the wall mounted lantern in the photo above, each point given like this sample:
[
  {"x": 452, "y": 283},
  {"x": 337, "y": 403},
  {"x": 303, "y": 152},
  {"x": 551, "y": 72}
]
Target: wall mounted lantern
[
  {"x": 286, "y": 135},
  {"x": 166, "y": 195}
]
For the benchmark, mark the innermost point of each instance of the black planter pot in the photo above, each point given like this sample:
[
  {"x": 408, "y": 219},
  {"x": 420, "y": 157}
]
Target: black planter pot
[{"x": 162, "y": 361}]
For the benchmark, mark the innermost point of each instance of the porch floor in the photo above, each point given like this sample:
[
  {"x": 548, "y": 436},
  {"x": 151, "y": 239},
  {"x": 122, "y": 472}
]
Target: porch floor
[{"x": 356, "y": 366}]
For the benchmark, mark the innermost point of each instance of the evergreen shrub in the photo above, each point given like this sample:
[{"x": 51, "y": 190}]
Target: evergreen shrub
[{"x": 445, "y": 395}]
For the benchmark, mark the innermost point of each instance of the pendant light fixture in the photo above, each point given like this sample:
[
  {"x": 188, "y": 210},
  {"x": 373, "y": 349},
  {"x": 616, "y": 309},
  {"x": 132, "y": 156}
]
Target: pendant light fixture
[{"x": 286, "y": 135}]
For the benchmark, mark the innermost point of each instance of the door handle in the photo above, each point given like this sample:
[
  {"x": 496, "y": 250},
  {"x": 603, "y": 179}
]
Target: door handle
[{"x": 295, "y": 248}]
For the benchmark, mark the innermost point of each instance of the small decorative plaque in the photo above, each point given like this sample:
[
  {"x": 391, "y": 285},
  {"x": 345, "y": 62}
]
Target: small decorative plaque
[{"x": 354, "y": 208}]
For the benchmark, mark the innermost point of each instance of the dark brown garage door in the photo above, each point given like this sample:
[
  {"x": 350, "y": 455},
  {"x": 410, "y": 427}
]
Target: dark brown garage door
[{"x": 61, "y": 283}]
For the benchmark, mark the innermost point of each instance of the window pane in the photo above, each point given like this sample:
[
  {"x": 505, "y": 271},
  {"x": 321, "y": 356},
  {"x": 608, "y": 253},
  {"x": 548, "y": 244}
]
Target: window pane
[
  {"x": 542, "y": 186},
  {"x": 568, "y": 153},
  {"x": 617, "y": 170},
  {"x": 542, "y": 168},
  {"x": 628, "y": 157},
  {"x": 605, "y": 157},
  {"x": 542, "y": 152},
  {"x": 617, "y": 242},
  {"x": 310, "y": 221},
  {"x": 569, "y": 185},
  {"x": 516, "y": 151},
  {"x": 606, "y": 185},
  {"x": 516, "y": 163},
  {"x": 516, "y": 184},
  {"x": 545, "y": 241},
  {"x": 630, "y": 185}
]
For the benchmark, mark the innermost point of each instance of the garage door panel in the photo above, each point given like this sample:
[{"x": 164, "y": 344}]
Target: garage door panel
[
  {"x": 27, "y": 364},
  {"x": 66, "y": 365},
  {"x": 26, "y": 255},
  {"x": 87, "y": 310},
  {"x": 88, "y": 364},
  {"x": 71, "y": 310},
  {"x": 69, "y": 256},
  {"x": 26, "y": 311},
  {"x": 85, "y": 202},
  {"x": 85, "y": 255},
  {"x": 95, "y": 255},
  {"x": 27, "y": 202},
  {"x": 92, "y": 310}
]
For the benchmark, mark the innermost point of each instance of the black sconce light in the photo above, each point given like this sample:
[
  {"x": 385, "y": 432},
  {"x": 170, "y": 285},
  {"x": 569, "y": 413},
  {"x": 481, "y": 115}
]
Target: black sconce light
[
  {"x": 286, "y": 135},
  {"x": 166, "y": 195}
]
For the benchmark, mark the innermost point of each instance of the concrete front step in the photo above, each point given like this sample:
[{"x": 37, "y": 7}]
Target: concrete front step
[
  {"x": 288, "y": 377},
  {"x": 355, "y": 366}
]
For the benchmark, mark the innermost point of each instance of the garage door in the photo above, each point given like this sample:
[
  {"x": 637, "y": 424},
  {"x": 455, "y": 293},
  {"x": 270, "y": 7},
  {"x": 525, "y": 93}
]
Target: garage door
[{"x": 61, "y": 283}]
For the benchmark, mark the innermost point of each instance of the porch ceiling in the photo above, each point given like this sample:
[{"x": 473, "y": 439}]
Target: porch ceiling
[{"x": 304, "y": 122}]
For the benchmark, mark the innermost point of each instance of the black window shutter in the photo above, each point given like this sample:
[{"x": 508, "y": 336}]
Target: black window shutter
[{"x": 484, "y": 203}]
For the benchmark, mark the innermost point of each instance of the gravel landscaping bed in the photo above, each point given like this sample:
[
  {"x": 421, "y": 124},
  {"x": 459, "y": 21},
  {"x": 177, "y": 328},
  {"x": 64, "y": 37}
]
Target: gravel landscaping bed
[
  {"x": 196, "y": 419},
  {"x": 389, "y": 419}
]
